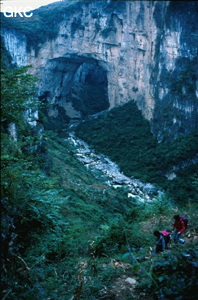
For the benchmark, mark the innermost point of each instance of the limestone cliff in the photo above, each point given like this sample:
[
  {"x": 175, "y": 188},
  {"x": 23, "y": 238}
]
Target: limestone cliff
[{"x": 106, "y": 53}]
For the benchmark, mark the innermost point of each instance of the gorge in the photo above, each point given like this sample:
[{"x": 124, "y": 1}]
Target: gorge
[{"x": 99, "y": 150}]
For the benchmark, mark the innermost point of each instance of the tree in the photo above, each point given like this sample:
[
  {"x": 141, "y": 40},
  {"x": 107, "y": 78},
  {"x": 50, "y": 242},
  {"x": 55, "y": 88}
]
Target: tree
[{"x": 17, "y": 94}]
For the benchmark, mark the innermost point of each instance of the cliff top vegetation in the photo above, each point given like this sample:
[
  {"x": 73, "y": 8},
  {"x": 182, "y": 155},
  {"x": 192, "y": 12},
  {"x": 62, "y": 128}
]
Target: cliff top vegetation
[{"x": 44, "y": 24}]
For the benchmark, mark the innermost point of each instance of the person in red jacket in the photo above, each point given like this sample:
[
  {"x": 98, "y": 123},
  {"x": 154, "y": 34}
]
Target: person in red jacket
[{"x": 179, "y": 227}]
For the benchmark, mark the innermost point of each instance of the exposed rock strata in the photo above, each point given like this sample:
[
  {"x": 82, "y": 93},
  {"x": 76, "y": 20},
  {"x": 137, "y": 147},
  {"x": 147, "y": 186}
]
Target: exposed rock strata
[{"x": 139, "y": 48}]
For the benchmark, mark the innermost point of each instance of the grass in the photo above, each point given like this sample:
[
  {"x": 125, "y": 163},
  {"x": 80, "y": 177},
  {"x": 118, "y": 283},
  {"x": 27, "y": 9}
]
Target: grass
[{"x": 75, "y": 243}]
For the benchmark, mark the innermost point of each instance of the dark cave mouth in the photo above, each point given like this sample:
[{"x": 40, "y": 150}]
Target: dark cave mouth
[
  {"x": 89, "y": 90},
  {"x": 74, "y": 87}
]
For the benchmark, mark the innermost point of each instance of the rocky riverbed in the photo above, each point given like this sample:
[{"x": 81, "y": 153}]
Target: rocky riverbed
[{"x": 101, "y": 166}]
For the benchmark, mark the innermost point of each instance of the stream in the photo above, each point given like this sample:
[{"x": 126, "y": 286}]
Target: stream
[{"x": 109, "y": 172}]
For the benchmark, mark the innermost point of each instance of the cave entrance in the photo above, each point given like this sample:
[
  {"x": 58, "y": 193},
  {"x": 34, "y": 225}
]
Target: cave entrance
[{"x": 74, "y": 87}]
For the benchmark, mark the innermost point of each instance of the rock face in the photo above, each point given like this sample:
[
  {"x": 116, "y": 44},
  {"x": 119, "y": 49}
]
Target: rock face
[{"x": 107, "y": 53}]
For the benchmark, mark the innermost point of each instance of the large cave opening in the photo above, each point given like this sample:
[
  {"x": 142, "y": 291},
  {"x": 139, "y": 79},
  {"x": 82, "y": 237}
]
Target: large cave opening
[{"x": 73, "y": 88}]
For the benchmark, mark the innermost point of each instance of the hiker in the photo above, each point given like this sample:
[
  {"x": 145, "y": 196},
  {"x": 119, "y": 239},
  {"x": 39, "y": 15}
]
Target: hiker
[
  {"x": 179, "y": 227},
  {"x": 162, "y": 240}
]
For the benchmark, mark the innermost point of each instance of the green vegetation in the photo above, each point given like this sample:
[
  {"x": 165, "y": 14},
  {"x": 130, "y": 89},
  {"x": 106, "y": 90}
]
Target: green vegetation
[
  {"x": 67, "y": 234},
  {"x": 175, "y": 105},
  {"x": 44, "y": 24},
  {"x": 124, "y": 135},
  {"x": 18, "y": 90},
  {"x": 183, "y": 79}
]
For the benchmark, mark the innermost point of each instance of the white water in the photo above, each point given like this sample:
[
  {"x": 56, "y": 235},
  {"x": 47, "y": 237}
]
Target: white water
[{"x": 110, "y": 171}]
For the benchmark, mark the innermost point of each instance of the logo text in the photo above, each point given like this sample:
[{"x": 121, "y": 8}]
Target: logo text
[{"x": 12, "y": 12}]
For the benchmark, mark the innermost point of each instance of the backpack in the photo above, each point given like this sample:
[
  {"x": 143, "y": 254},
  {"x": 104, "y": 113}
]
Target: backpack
[
  {"x": 165, "y": 233},
  {"x": 185, "y": 220},
  {"x": 166, "y": 236}
]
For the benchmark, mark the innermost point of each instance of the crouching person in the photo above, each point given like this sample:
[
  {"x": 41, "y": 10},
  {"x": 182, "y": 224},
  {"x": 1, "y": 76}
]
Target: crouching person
[{"x": 162, "y": 239}]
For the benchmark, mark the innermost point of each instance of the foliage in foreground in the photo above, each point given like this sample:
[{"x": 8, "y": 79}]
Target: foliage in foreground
[
  {"x": 67, "y": 234},
  {"x": 17, "y": 94}
]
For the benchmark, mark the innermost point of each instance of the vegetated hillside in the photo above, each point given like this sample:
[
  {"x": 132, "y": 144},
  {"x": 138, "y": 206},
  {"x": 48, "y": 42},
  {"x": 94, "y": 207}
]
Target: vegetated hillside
[
  {"x": 124, "y": 135},
  {"x": 44, "y": 24},
  {"x": 69, "y": 235}
]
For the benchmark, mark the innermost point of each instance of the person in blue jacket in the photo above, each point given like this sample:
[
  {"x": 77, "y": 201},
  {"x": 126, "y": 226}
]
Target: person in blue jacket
[{"x": 162, "y": 239}]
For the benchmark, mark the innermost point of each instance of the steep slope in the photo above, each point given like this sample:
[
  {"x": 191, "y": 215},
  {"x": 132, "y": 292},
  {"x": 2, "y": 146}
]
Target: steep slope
[{"x": 69, "y": 235}]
